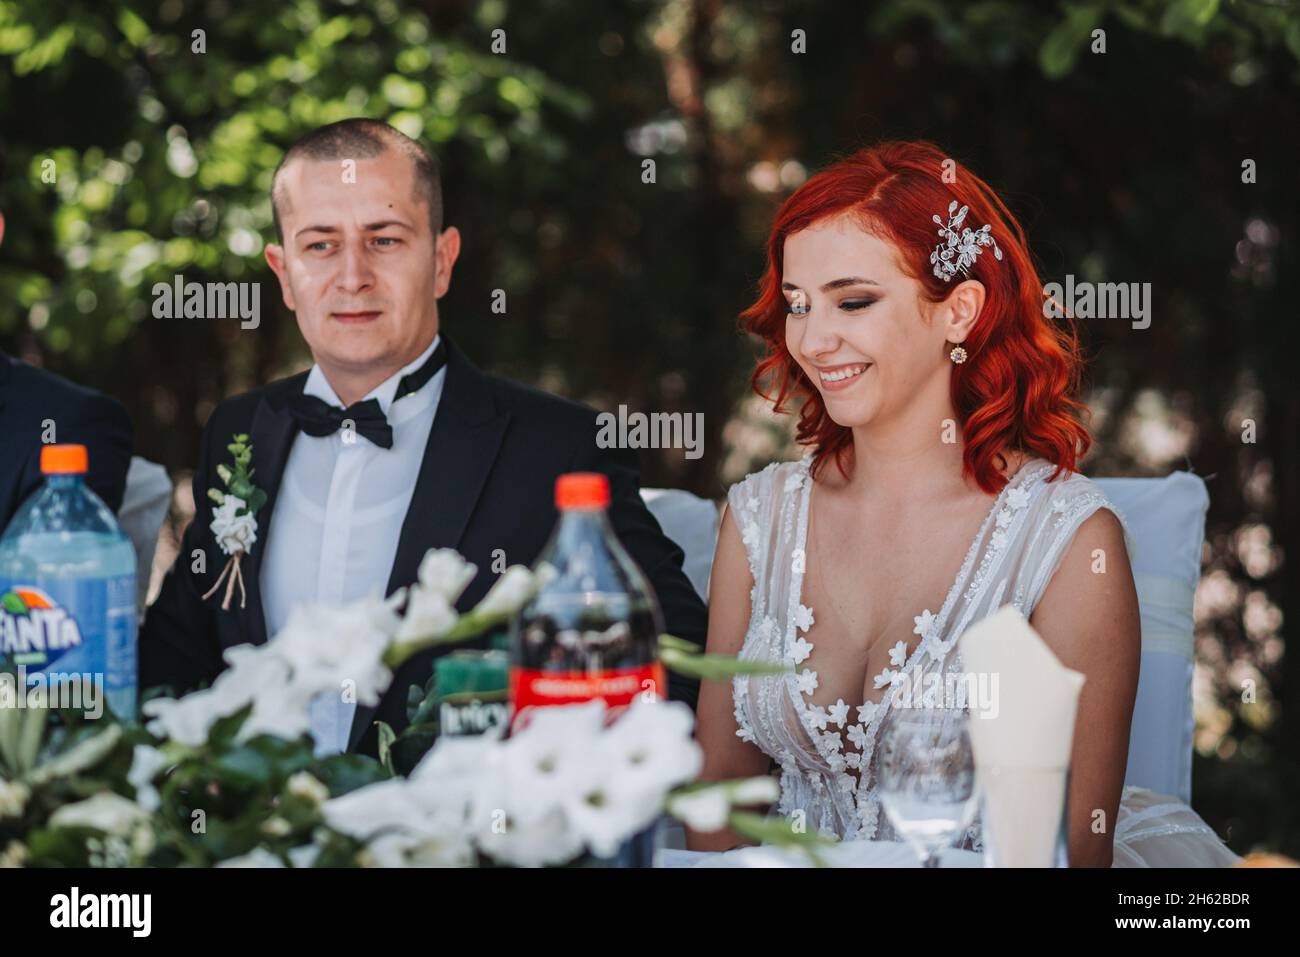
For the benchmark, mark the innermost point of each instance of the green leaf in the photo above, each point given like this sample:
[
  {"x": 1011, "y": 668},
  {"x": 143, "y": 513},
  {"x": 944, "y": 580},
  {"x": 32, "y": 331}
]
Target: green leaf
[
  {"x": 1061, "y": 47},
  {"x": 413, "y": 744},
  {"x": 343, "y": 773},
  {"x": 223, "y": 730},
  {"x": 386, "y": 739},
  {"x": 1188, "y": 19},
  {"x": 224, "y": 472},
  {"x": 13, "y": 603}
]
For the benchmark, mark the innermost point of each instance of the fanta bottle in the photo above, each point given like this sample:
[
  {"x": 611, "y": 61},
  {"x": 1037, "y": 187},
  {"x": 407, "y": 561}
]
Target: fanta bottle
[{"x": 67, "y": 590}]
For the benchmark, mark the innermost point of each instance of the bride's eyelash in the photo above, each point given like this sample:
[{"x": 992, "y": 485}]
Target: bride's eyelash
[{"x": 848, "y": 305}]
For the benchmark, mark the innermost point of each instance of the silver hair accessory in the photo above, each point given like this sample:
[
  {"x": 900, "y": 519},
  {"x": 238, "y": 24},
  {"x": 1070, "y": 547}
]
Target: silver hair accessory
[{"x": 955, "y": 252}]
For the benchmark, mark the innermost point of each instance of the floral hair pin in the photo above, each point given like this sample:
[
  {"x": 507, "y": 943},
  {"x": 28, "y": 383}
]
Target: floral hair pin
[
  {"x": 956, "y": 252},
  {"x": 233, "y": 523}
]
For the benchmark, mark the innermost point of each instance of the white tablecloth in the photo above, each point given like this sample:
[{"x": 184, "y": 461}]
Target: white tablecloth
[{"x": 847, "y": 854}]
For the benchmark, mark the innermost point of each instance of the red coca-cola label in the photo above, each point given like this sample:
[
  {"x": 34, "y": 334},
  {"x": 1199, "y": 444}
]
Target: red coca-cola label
[{"x": 531, "y": 688}]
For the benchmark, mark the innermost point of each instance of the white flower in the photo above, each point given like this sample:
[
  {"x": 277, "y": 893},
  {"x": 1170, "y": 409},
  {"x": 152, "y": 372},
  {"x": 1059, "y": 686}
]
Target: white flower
[
  {"x": 803, "y": 618},
  {"x": 702, "y": 810},
  {"x": 444, "y": 572},
  {"x": 1004, "y": 517},
  {"x": 858, "y": 735},
  {"x": 794, "y": 481},
  {"x": 807, "y": 681},
  {"x": 105, "y": 811},
  {"x": 839, "y": 712},
  {"x": 146, "y": 762},
  {"x": 998, "y": 539},
  {"x": 14, "y": 855},
  {"x": 258, "y": 857},
  {"x": 886, "y": 677},
  {"x": 1017, "y": 498},
  {"x": 304, "y": 855},
  {"x": 336, "y": 648},
  {"x": 305, "y": 785},
  {"x": 800, "y": 649},
  {"x": 525, "y": 812},
  {"x": 276, "y": 826},
  {"x": 707, "y": 808},
  {"x": 749, "y": 533},
  {"x": 647, "y": 752},
  {"x": 924, "y": 622},
  {"x": 1060, "y": 503},
  {"x": 428, "y": 614},
  {"x": 508, "y": 593},
  {"x": 13, "y": 798},
  {"x": 853, "y": 759},
  {"x": 898, "y": 654},
  {"x": 940, "y": 648},
  {"x": 751, "y": 502},
  {"x": 234, "y": 533},
  {"x": 866, "y": 710},
  {"x": 818, "y": 717}
]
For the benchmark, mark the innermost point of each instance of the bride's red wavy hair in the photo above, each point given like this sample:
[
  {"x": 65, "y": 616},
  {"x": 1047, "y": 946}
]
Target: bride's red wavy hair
[{"x": 1017, "y": 389}]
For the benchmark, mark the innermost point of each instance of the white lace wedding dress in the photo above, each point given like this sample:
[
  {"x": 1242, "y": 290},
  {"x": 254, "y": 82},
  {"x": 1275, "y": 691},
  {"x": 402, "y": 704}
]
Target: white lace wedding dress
[{"x": 826, "y": 751}]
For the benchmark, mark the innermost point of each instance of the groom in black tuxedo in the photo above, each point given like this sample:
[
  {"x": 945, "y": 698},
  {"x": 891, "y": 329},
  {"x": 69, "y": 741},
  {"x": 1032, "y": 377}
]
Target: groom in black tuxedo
[{"x": 392, "y": 444}]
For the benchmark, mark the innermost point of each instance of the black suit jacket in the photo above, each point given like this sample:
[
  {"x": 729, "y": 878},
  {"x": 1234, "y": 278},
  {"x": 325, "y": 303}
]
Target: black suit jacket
[
  {"x": 30, "y": 396},
  {"x": 486, "y": 482}
]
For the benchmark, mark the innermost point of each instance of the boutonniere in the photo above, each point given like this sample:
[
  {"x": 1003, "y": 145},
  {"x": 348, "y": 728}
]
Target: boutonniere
[{"x": 233, "y": 523}]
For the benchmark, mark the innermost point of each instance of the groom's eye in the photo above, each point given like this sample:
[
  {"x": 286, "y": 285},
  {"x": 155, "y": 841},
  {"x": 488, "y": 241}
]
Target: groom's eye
[{"x": 387, "y": 240}]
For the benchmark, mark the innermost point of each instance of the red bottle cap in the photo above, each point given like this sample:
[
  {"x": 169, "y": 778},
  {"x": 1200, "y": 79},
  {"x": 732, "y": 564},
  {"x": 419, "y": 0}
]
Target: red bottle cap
[
  {"x": 64, "y": 460},
  {"x": 581, "y": 490}
]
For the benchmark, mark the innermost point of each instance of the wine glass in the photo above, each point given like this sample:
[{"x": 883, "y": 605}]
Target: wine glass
[{"x": 927, "y": 778}]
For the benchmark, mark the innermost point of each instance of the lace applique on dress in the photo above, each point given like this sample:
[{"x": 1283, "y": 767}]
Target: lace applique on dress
[{"x": 826, "y": 753}]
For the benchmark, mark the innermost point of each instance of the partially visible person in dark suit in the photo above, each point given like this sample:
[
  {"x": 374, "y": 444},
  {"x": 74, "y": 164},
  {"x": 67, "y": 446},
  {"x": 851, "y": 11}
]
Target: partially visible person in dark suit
[{"x": 38, "y": 408}]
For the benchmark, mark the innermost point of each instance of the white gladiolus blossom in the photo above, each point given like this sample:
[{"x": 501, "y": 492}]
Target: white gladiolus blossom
[
  {"x": 508, "y": 594},
  {"x": 444, "y": 572},
  {"x": 146, "y": 762},
  {"x": 106, "y": 811}
]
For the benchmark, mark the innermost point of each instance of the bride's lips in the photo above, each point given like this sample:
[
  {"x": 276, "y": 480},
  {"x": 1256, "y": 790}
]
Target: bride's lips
[
  {"x": 843, "y": 376},
  {"x": 356, "y": 317}
]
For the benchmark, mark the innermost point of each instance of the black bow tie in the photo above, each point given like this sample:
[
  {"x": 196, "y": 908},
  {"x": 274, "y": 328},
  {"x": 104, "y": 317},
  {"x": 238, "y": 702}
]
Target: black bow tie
[{"x": 317, "y": 417}]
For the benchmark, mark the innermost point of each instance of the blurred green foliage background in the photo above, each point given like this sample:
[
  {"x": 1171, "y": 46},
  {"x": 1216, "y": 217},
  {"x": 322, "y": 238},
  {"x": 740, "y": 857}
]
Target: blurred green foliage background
[{"x": 139, "y": 138}]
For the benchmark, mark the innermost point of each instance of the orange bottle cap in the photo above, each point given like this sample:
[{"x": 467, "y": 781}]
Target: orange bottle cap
[
  {"x": 64, "y": 460},
  {"x": 581, "y": 490}
]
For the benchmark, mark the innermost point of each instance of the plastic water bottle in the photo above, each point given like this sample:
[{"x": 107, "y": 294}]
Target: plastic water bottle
[{"x": 67, "y": 589}]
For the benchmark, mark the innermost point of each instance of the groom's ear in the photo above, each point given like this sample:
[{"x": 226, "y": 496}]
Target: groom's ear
[
  {"x": 962, "y": 307},
  {"x": 275, "y": 259},
  {"x": 446, "y": 249}
]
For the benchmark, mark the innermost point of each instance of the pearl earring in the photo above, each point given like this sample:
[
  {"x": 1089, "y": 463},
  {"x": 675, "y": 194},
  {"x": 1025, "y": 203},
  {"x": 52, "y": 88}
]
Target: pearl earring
[{"x": 957, "y": 355}]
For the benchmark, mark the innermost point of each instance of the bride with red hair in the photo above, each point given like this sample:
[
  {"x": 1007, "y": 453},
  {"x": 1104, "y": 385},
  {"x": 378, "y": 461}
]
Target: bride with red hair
[{"x": 902, "y": 311}]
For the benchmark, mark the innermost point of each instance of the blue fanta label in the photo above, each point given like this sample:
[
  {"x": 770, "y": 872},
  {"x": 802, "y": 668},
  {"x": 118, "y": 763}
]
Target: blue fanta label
[
  {"x": 69, "y": 630},
  {"x": 67, "y": 596}
]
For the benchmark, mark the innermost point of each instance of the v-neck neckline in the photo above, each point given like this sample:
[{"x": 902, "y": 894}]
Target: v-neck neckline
[{"x": 881, "y": 708}]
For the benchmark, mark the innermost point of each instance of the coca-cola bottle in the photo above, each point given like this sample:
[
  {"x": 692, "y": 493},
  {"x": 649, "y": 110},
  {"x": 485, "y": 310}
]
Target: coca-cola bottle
[{"x": 592, "y": 630}]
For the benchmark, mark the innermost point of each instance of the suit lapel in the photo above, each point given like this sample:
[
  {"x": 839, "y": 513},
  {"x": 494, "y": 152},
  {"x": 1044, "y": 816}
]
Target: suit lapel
[
  {"x": 463, "y": 443},
  {"x": 272, "y": 434}
]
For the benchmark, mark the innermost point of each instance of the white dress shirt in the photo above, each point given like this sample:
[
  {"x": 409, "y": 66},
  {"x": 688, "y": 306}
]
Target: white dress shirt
[{"x": 337, "y": 518}]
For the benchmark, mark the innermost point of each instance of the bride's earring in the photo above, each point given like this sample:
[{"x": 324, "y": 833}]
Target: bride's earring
[{"x": 957, "y": 355}]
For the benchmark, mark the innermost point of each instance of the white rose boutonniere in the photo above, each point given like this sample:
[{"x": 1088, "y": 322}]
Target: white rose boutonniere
[{"x": 233, "y": 517}]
